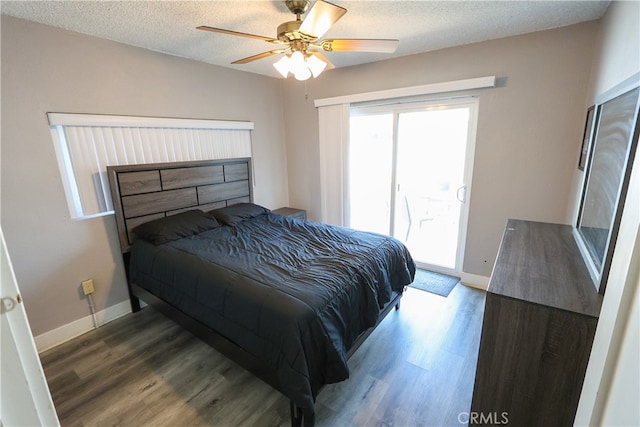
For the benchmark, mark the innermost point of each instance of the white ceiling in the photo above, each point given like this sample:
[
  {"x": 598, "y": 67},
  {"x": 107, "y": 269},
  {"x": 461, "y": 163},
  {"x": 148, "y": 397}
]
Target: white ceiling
[{"x": 169, "y": 26}]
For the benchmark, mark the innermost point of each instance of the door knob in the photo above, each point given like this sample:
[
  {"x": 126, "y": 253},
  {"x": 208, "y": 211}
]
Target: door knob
[{"x": 9, "y": 304}]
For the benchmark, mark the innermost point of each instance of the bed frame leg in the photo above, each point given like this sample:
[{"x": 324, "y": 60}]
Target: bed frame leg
[
  {"x": 301, "y": 417},
  {"x": 135, "y": 302},
  {"x": 296, "y": 415},
  {"x": 398, "y": 305}
]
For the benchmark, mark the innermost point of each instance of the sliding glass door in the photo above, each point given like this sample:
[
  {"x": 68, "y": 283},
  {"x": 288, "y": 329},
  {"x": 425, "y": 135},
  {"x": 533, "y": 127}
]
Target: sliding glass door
[
  {"x": 370, "y": 172},
  {"x": 409, "y": 167}
]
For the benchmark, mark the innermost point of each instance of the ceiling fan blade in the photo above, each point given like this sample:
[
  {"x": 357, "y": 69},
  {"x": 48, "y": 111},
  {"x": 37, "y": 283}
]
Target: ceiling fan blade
[
  {"x": 236, "y": 33},
  {"x": 359, "y": 45},
  {"x": 320, "y": 18},
  {"x": 258, "y": 56}
]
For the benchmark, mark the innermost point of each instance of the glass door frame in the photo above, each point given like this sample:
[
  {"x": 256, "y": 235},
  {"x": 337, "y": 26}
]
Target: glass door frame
[{"x": 396, "y": 108}]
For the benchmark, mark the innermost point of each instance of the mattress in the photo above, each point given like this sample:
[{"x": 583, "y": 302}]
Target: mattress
[{"x": 292, "y": 292}]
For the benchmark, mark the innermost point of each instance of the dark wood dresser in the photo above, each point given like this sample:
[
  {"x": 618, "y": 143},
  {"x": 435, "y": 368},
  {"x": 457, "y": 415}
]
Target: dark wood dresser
[{"x": 539, "y": 322}]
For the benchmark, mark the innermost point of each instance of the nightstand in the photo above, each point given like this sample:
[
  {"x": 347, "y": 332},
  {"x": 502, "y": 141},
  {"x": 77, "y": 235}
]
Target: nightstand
[{"x": 292, "y": 212}]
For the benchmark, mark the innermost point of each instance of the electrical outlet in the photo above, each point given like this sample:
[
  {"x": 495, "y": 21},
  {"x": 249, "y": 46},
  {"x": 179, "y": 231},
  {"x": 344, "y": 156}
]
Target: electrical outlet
[{"x": 87, "y": 287}]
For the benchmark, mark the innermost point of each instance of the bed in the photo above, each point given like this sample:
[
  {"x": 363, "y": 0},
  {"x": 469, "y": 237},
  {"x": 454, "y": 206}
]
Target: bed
[{"x": 288, "y": 299}]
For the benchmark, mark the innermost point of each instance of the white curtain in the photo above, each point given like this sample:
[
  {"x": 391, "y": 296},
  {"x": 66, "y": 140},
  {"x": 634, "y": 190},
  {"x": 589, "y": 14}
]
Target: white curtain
[{"x": 333, "y": 135}]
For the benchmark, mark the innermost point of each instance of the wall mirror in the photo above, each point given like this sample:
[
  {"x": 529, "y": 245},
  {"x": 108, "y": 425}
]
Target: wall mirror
[{"x": 612, "y": 147}]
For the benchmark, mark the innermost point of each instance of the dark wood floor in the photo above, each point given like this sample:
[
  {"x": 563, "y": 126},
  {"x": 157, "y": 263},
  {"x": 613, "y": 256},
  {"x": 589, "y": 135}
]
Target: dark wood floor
[{"x": 416, "y": 369}]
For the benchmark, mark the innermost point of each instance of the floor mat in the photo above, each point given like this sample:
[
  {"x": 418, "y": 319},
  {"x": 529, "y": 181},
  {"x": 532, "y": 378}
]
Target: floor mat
[{"x": 436, "y": 283}]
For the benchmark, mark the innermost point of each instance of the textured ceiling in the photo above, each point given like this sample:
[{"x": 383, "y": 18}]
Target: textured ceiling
[{"x": 169, "y": 26}]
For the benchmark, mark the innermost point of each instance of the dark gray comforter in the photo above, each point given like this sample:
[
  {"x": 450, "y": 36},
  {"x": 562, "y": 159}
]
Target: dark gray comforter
[{"x": 294, "y": 293}]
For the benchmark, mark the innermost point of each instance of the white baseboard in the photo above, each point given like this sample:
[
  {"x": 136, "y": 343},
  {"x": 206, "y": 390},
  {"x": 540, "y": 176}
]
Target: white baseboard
[
  {"x": 71, "y": 330},
  {"x": 475, "y": 281}
]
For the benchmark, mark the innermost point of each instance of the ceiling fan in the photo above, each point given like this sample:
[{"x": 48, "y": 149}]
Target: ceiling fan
[{"x": 301, "y": 42}]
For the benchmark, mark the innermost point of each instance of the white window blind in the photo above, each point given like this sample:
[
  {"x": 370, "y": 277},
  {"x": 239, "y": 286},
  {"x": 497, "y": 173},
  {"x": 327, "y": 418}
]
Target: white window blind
[
  {"x": 87, "y": 144},
  {"x": 333, "y": 121}
]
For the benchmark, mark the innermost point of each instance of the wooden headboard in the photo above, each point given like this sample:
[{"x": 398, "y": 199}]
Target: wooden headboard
[{"x": 141, "y": 193}]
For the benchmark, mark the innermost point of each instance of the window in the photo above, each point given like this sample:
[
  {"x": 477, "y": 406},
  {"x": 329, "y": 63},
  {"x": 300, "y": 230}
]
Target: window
[{"x": 86, "y": 144}]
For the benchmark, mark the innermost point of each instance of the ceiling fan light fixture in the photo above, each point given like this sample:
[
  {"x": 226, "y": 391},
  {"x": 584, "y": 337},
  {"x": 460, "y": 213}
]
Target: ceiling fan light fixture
[
  {"x": 283, "y": 65},
  {"x": 297, "y": 63},
  {"x": 316, "y": 65},
  {"x": 302, "y": 74},
  {"x": 300, "y": 65}
]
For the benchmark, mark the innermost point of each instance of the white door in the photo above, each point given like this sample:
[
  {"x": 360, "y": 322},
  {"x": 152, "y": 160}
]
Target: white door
[
  {"x": 409, "y": 172},
  {"x": 25, "y": 399}
]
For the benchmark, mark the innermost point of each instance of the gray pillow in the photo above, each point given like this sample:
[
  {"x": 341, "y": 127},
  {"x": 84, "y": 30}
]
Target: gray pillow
[
  {"x": 175, "y": 227},
  {"x": 235, "y": 214}
]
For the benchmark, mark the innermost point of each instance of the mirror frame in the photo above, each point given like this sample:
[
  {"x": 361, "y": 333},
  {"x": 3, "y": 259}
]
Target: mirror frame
[{"x": 613, "y": 141}]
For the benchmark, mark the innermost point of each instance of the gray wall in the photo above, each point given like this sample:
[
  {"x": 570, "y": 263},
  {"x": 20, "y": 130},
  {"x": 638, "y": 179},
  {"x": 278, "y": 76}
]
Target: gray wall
[
  {"x": 50, "y": 70},
  {"x": 528, "y": 139},
  {"x": 529, "y": 128},
  {"x": 611, "y": 389}
]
